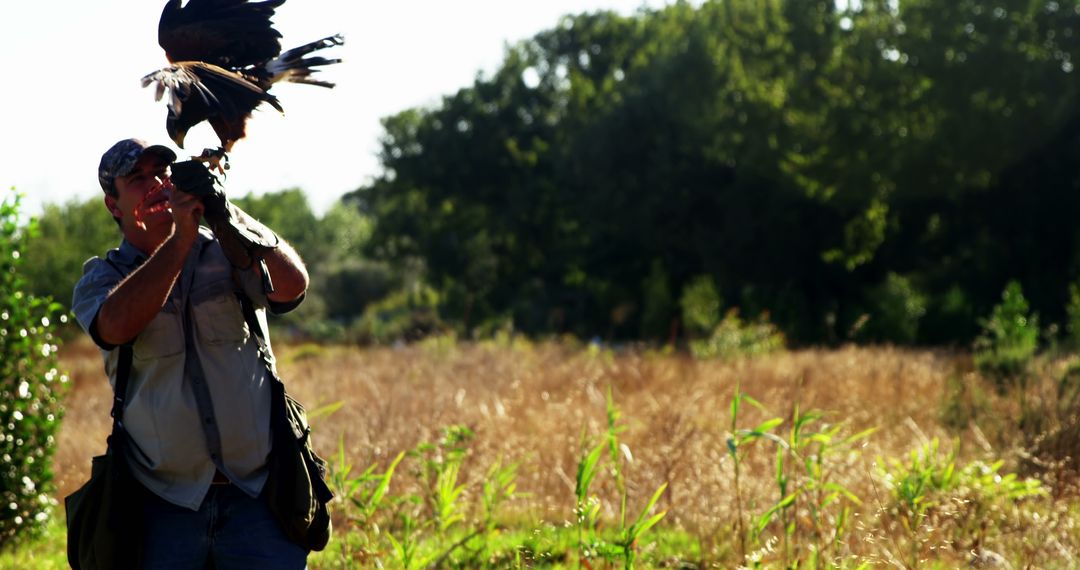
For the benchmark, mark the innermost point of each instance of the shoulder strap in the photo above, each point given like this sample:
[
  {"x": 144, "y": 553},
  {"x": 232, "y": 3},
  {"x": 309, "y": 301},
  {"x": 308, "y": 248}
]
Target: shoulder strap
[
  {"x": 253, "y": 323},
  {"x": 123, "y": 374},
  {"x": 277, "y": 387}
]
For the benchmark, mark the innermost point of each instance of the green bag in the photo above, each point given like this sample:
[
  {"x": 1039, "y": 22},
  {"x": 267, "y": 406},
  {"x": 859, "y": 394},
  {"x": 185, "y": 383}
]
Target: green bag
[
  {"x": 296, "y": 488},
  {"x": 105, "y": 516}
]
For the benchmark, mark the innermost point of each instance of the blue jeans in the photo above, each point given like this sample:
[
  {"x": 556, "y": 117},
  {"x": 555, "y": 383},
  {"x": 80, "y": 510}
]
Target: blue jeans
[{"x": 230, "y": 531}]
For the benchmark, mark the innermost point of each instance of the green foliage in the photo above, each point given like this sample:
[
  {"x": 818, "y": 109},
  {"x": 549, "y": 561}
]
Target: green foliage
[
  {"x": 407, "y": 314},
  {"x": 965, "y": 402},
  {"x": 806, "y": 462},
  {"x": 807, "y": 155},
  {"x": 700, "y": 303},
  {"x": 47, "y": 551},
  {"x": 931, "y": 491},
  {"x": 343, "y": 283},
  {"x": 896, "y": 308},
  {"x": 591, "y": 545},
  {"x": 499, "y": 487},
  {"x": 425, "y": 527},
  {"x": 1072, "y": 312},
  {"x": 30, "y": 387},
  {"x": 587, "y": 507},
  {"x": 290, "y": 214},
  {"x": 1010, "y": 336},
  {"x": 658, "y": 303},
  {"x": 863, "y": 235},
  {"x": 359, "y": 500},
  {"x": 67, "y": 236},
  {"x": 734, "y": 338},
  {"x": 440, "y": 464},
  {"x": 739, "y": 441},
  {"x": 639, "y": 527}
]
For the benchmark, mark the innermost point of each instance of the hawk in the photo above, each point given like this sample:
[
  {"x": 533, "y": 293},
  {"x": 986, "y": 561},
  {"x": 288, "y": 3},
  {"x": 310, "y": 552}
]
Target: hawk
[{"x": 225, "y": 55}]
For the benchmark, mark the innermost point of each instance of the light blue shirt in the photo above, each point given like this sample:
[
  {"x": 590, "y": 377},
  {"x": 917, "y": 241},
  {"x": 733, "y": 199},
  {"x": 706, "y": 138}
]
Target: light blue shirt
[{"x": 171, "y": 456}]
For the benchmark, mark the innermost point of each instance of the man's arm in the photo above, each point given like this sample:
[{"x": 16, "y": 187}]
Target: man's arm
[
  {"x": 138, "y": 298},
  {"x": 243, "y": 238},
  {"x": 288, "y": 273}
]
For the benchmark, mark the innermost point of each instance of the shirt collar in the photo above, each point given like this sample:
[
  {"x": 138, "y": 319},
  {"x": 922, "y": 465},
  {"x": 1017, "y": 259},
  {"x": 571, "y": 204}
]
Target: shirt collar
[{"x": 128, "y": 255}]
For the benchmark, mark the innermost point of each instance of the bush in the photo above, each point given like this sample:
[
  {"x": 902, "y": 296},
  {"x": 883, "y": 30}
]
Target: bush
[
  {"x": 407, "y": 315},
  {"x": 1009, "y": 337},
  {"x": 896, "y": 307},
  {"x": 933, "y": 492},
  {"x": 30, "y": 386},
  {"x": 700, "y": 303},
  {"x": 734, "y": 338}
]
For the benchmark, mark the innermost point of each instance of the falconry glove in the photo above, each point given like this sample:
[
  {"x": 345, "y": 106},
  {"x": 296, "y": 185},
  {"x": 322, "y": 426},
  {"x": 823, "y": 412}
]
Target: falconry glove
[{"x": 244, "y": 239}]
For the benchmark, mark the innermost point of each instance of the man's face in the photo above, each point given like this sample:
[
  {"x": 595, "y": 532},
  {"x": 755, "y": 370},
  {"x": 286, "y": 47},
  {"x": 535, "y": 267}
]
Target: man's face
[{"x": 142, "y": 197}]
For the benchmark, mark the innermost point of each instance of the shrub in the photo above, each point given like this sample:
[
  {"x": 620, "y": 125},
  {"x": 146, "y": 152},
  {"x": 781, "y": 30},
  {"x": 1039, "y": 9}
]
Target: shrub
[
  {"x": 733, "y": 338},
  {"x": 934, "y": 493},
  {"x": 409, "y": 314},
  {"x": 1009, "y": 336},
  {"x": 896, "y": 308},
  {"x": 30, "y": 386},
  {"x": 700, "y": 303}
]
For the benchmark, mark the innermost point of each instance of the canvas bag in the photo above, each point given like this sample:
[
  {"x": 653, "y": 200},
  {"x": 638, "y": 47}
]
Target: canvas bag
[{"x": 104, "y": 516}]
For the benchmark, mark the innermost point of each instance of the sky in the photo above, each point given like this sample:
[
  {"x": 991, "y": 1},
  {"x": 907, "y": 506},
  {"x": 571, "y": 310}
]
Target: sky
[{"x": 72, "y": 69}]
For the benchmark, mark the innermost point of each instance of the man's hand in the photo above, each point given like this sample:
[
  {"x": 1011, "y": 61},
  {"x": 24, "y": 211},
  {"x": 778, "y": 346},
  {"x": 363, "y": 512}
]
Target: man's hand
[
  {"x": 245, "y": 240},
  {"x": 192, "y": 177},
  {"x": 187, "y": 211}
]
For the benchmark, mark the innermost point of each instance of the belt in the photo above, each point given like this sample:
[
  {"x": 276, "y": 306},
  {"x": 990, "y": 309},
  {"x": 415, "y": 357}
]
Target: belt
[{"x": 219, "y": 478}]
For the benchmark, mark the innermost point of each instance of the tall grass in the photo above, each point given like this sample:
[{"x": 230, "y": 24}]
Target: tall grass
[{"x": 544, "y": 477}]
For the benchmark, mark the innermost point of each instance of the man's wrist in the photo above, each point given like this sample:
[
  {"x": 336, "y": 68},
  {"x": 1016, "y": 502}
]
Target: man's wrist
[{"x": 180, "y": 242}]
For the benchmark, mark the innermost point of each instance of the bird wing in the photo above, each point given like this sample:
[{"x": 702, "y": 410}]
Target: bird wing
[
  {"x": 231, "y": 34},
  {"x": 199, "y": 91}
]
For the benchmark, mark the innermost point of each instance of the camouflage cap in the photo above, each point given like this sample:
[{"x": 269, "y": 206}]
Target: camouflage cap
[{"x": 121, "y": 158}]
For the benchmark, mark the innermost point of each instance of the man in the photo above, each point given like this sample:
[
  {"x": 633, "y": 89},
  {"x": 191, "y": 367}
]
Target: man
[{"x": 199, "y": 440}]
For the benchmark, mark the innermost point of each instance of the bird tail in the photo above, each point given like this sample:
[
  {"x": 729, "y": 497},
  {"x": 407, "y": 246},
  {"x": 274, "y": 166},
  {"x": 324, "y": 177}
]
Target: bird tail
[{"x": 292, "y": 66}]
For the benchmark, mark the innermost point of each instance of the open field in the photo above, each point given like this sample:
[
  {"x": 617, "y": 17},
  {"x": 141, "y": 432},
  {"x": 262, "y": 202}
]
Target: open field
[{"x": 544, "y": 405}]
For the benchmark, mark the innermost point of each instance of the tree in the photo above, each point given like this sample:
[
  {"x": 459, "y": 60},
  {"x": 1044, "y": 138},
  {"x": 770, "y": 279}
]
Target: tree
[
  {"x": 799, "y": 153},
  {"x": 343, "y": 284},
  {"x": 68, "y": 234},
  {"x": 30, "y": 387}
]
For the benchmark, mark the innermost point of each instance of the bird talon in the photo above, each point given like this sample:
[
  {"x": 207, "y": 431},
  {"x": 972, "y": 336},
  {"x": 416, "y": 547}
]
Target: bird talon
[{"x": 215, "y": 159}]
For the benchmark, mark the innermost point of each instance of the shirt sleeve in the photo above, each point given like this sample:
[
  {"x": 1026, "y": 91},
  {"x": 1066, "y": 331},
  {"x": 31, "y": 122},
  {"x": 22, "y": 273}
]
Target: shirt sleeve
[
  {"x": 99, "y": 278},
  {"x": 251, "y": 282}
]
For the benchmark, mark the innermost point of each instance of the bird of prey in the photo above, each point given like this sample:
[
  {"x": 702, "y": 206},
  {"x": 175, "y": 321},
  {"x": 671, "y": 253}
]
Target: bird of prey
[{"x": 225, "y": 55}]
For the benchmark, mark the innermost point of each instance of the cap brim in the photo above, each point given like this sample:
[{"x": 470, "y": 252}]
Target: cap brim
[{"x": 162, "y": 151}]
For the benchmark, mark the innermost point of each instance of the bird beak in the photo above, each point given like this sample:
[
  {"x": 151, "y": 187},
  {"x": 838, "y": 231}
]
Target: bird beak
[{"x": 177, "y": 135}]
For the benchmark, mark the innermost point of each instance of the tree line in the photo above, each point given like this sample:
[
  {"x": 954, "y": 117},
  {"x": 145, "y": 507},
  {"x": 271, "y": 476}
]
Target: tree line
[
  {"x": 868, "y": 171},
  {"x": 873, "y": 170}
]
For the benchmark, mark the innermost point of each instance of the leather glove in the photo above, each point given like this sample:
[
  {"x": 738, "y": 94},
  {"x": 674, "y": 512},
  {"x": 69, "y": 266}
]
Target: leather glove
[{"x": 244, "y": 239}]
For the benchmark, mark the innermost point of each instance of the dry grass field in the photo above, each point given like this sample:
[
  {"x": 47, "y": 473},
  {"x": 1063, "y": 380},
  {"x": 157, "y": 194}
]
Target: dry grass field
[{"x": 543, "y": 404}]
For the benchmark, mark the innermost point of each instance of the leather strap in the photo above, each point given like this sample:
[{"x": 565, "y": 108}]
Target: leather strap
[
  {"x": 123, "y": 371},
  {"x": 123, "y": 374}
]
